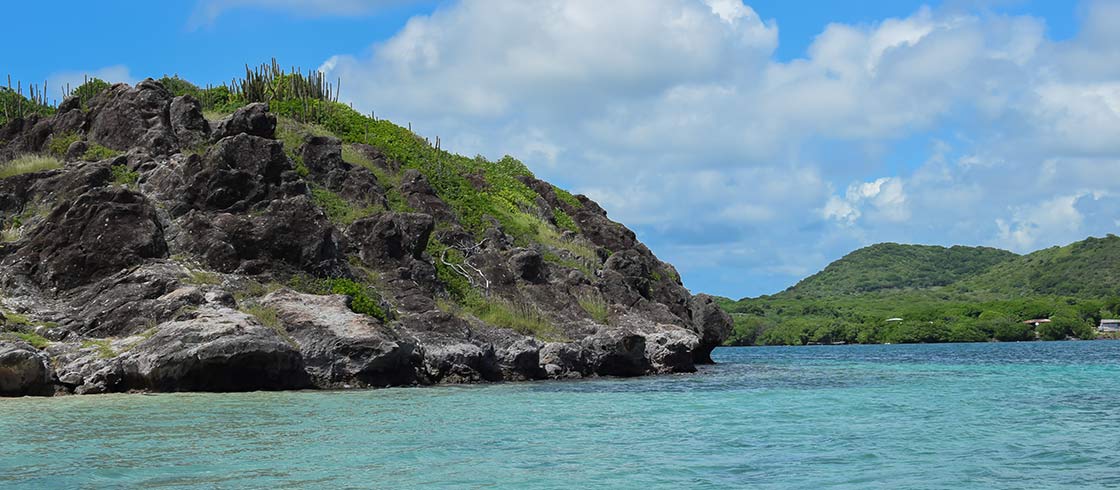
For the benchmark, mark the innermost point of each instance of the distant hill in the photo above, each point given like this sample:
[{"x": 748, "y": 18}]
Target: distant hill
[
  {"x": 917, "y": 293},
  {"x": 1089, "y": 268},
  {"x": 894, "y": 266}
]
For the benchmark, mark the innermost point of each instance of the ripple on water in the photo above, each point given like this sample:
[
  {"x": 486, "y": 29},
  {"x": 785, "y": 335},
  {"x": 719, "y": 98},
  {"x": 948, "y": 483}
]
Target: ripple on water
[{"x": 1031, "y": 415}]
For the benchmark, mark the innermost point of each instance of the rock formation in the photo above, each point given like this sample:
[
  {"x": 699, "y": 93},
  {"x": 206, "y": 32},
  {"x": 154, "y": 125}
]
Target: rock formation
[{"x": 219, "y": 268}]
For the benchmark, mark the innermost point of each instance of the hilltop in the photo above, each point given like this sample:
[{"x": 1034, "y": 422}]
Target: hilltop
[
  {"x": 262, "y": 235},
  {"x": 916, "y": 293}
]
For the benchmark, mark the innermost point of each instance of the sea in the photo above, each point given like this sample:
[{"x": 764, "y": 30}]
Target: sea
[{"x": 1033, "y": 415}]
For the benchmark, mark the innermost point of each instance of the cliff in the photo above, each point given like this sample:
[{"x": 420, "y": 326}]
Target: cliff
[{"x": 295, "y": 243}]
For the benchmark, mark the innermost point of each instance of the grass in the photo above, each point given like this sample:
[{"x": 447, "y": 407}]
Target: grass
[
  {"x": 338, "y": 209},
  {"x": 103, "y": 348},
  {"x": 595, "y": 306},
  {"x": 123, "y": 176},
  {"x": 59, "y": 144},
  {"x": 28, "y": 164},
  {"x": 520, "y": 317},
  {"x": 363, "y": 298},
  {"x": 37, "y": 341},
  {"x": 254, "y": 289},
  {"x": 15, "y": 318},
  {"x": 203, "y": 278},
  {"x": 269, "y": 317}
]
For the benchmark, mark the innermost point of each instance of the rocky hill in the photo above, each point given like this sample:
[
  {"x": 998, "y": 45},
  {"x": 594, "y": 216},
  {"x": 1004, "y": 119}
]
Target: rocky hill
[{"x": 151, "y": 246}]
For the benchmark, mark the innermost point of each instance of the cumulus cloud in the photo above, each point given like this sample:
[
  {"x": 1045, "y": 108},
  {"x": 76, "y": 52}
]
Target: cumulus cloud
[{"x": 674, "y": 114}]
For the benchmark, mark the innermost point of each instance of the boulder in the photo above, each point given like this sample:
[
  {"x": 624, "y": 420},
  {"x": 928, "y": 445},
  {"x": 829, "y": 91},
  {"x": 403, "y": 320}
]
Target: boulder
[
  {"x": 123, "y": 117},
  {"x": 187, "y": 122},
  {"x": 236, "y": 173},
  {"x": 218, "y": 350},
  {"x": 671, "y": 349},
  {"x": 323, "y": 157},
  {"x": 343, "y": 348},
  {"x": 390, "y": 237},
  {"x": 616, "y": 352},
  {"x": 711, "y": 324},
  {"x": 253, "y": 119},
  {"x": 421, "y": 197},
  {"x": 23, "y": 370},
  {"x": 100, "y": 233}
]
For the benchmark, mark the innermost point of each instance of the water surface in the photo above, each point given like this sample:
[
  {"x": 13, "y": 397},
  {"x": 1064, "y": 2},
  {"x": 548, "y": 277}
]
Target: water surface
[{"x": 1023, "y": 415}]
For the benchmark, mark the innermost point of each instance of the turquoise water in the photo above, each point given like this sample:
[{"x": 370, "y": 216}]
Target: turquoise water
[{"x": 1028, "y": 415}]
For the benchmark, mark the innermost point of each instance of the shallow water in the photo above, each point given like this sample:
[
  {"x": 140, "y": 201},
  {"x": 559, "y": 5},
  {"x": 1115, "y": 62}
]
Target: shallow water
[{"x": 1024, "y": 415}]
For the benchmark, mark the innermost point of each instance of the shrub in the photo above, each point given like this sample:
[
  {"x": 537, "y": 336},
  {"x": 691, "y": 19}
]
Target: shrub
[
  {"x": 28, "y": 164},
  {"x": 363, "y": 298},
  {"x": 96, "y": 153},
  {"x": 123, "y": 176}
]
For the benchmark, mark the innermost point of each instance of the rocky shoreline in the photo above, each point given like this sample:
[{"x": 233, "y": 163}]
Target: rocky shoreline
[{"x": 191, "y": 273}]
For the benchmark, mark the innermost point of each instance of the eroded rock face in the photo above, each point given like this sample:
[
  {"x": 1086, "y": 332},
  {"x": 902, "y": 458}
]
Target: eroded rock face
[
  {"x": 343, "y": 348},
  {"x": 23, "y": 370},
  {"x": 236, "y": 173},
  {"x": 187, "y": 122},
  {"x": 123, "y": 117},
  {"x": 218, "y": 350},
  {"x": 390, "y": 237},
  {"x": 253, "y": 119},
  {"x": 101, "y": 232},
  {"x": 711, "y": 323}
]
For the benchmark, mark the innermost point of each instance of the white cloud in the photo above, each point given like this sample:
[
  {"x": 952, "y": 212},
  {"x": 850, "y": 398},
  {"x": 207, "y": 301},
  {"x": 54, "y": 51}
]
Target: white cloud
[
  {"x": 58, "y": 82},
  {"x": 675, "y": 116}
]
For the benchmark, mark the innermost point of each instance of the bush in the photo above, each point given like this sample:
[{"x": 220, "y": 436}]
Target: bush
[
  {"x": 123, "y": 176},
  {"x": 595, "y": 306},
  {"x": 363, "y": 298}
]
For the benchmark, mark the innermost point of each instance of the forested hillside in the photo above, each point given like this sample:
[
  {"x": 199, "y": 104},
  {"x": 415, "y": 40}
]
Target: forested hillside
[{"x": 891, "y": 293}]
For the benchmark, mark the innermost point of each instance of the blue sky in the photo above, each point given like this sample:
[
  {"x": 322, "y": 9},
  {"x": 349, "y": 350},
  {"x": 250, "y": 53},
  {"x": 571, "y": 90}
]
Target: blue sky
[{"x": 748, "y": 143}]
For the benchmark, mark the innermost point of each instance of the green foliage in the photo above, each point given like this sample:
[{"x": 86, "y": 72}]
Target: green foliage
[
  {"x": 102, "y": 347},
  {"x": 892, "y": 266},
  {"x": 564, "y": 221},
  {"x": 15, "y": 104},
  {"x": 567, "y": 197},
  {"x": 520, "y": 317},
  {"x": 123, "y": 176},
  {"x": 203, "y": 278},
  {"x": 28, "y": 164},
  {"x": 37, "y": 341},
  {"x": 96, "y": 153},
  {"x": 363, "y": 298},
  {"x": 338, "y": 209},
  {"x": 594, "y": 305},
  {"x": 59, "y": 143},
  {"x": 89, "y": 89},
  {"x": 1085, "y": 269}
]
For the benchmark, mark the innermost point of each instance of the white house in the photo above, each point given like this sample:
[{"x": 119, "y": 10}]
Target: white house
[{"x": 1109, "y": 326}]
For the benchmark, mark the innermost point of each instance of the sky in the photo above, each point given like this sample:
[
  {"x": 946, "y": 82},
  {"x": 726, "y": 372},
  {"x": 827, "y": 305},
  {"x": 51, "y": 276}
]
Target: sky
[{"x": 749, "y": 143}]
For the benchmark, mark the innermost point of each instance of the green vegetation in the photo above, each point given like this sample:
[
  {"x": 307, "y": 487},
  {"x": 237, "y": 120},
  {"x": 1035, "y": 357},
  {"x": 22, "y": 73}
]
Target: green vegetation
[
  {"x": 15, "y": 104},
  {"x": 203, "y": 278},
  {"x": 28, "y": 164},
  {"x": 363, "y": 298},
  {"x": 959, "y": 294},
  {"x": 103, "y": 348},
  {"x": 521, "y": 317},
  {"x": 123, "y": 176},
  {"x": 37, "y": 341},
  {"x": 892, "y": 266},
  {"x": 338, "y": 209},
  {"x": 60, "y": 143},
  {"x": 594, "y": 305}
]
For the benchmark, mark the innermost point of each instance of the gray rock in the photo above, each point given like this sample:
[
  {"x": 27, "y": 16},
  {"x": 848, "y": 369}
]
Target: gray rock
[
  {"x": 253, "y": 119},
  {"x": 711, "y": 324},
  {"x": 187, "y": 122},
  {"x": 389, "y": 237},
  {"x": 123, "y": 117},
  {"x": 76, "y": 150},
  {"x": 617, "y": 352},
  {"x": 341, "y": 347},
  {"x": 23, "y": 370},
  {"x": 218, "y": 350}
]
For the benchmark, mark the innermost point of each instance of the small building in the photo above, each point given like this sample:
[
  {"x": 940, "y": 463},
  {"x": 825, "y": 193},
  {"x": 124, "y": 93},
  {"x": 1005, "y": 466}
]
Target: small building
[
  {"x": 1037, "y": 321},
  {"x": 1109, "y": 326}
]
